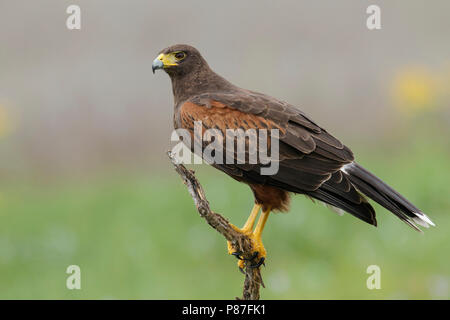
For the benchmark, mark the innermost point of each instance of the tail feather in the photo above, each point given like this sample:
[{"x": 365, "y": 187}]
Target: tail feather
[
  {"x": 377, "y": 190},
  {"x": 363, "y": 210},
  {"x": 339, "y": 193}
]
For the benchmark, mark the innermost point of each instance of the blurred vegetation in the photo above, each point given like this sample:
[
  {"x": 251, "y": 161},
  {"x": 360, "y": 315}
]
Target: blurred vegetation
[
  {"x": 139, "y": 236},
  {"x": 5, "y": 123},
  {"x": 415, "y": 89},
  {"x": 84, "y": 127}
]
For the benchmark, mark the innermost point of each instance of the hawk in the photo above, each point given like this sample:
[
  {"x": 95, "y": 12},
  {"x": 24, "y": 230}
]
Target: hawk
[{"x": 310, "y": 160}]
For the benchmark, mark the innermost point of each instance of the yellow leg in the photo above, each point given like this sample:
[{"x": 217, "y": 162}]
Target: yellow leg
[
  {"x": 248, "y": 226},
  {"x": 261, "y": 223},
  {"x": 255, "y": 236}
]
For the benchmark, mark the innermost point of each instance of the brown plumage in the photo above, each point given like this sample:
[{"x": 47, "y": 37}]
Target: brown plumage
[{"x": 312, "y": 161}]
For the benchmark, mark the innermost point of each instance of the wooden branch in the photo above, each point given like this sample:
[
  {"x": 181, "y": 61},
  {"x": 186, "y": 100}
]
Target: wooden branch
[{"x": 241, "y": 243}]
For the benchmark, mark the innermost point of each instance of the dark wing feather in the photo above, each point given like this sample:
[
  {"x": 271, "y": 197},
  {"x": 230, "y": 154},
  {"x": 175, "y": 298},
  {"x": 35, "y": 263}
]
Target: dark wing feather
[{"x": 310, "y": 158}]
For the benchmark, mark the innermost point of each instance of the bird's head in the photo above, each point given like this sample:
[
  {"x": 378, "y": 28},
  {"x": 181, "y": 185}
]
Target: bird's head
[{"x": 178, "y": 60}]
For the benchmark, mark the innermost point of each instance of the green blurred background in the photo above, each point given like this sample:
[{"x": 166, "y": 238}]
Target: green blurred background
[{"x": 84, "y": 127}]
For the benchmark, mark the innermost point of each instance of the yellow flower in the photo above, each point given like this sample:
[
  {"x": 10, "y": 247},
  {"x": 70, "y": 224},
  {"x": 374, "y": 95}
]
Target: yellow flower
[{"x": 414, "y": 89}]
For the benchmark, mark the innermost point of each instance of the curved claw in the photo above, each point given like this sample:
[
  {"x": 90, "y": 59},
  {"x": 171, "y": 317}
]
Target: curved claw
[
  {"x": 261, "y": 262},
  {"x": 238, "y": 254}
]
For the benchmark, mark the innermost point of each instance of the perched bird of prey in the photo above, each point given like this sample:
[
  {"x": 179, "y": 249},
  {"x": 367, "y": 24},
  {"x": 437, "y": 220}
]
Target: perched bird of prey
[{"x": 311, "y": 161}]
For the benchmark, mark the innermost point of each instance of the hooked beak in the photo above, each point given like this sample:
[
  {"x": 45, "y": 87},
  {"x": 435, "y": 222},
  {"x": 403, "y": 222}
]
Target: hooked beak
[
  {"x": 157, "y": 64},
  {"x": 164, "y": 61}
]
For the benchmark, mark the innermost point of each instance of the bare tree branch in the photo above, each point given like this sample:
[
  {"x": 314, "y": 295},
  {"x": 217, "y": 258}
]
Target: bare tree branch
[{"x": 242, "y": 243}]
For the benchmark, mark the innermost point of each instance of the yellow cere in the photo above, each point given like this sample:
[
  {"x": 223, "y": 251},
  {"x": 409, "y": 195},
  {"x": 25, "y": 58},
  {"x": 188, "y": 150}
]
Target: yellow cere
[{"x": 168, "y": 59}]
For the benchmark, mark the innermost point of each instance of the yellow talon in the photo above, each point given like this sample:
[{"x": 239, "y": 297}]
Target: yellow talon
[
  {"x": 247, "y": 228},
  {"x": 255, "y": 236}
]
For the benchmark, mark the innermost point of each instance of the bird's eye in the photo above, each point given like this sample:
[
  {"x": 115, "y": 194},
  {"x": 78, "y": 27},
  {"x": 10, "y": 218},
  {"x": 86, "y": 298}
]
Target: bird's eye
[{"x": 180, "y": 55}]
